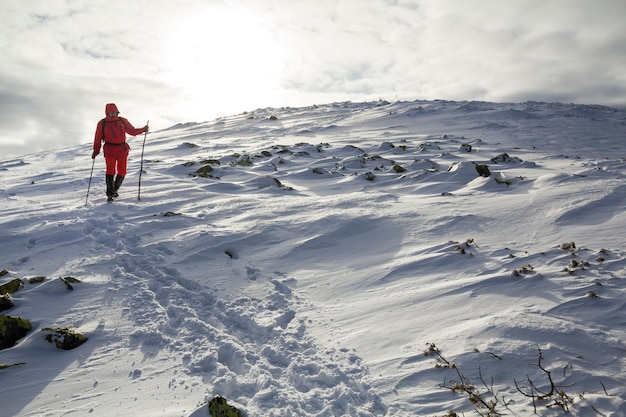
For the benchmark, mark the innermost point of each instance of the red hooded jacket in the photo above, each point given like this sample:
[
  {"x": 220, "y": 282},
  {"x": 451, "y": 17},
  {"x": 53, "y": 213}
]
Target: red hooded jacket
[{"x": 112, "y": 131}]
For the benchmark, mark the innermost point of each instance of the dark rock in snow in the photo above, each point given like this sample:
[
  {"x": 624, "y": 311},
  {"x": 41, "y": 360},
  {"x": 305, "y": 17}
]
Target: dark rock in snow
[
  {"x": 218, "y": 407},
  {"x": 11, "y": 286},
  {"x": 5, "y": 302},
  {"x": 68, "y": 281},
  {"x": 12, "y": 329},
  {"x": 64, "y": 338}
]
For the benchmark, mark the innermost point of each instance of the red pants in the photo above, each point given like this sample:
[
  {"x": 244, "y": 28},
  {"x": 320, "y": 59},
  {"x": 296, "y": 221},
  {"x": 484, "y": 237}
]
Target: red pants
[{"x": 116, "y": 164}]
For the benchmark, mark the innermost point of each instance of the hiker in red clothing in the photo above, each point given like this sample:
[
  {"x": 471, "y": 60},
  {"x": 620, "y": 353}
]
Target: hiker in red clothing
[{"x": 112, "y": 131}]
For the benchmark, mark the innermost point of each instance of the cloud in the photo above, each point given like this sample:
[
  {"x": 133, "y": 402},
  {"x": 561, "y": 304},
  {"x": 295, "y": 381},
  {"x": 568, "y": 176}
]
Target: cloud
[
  {"x": 62, "y": 62},
  {"x": 463, "y": 50},
  {"x": 538, "y": 46},
  {"x": 64, "y": 59}
]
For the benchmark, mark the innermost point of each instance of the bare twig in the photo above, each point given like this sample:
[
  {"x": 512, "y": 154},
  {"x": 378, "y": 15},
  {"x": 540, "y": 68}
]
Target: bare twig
[
  {"x": 604, "y": 388},
  {"x": 561, "y": 399},
  {"x": 485, "y": 407},
  {"x": 494, "y": 355}
]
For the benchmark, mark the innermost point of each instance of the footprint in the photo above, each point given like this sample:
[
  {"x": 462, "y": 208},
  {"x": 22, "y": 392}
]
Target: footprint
[
  {"x": 252, "y": 273},
  {"x": 31, "y": 243},
  {"x": 285, "y": 318},
  {"x": 281, "y": 288}
]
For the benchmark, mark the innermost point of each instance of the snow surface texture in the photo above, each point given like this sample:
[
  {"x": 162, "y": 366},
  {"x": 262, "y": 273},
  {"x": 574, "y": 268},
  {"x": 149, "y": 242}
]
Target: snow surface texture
[{"x": 302, "y": 266}]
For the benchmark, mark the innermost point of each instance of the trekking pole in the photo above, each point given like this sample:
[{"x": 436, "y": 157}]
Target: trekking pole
[
  {"x": 90, "y": 175},
  {"x": 141, "y": 168}
]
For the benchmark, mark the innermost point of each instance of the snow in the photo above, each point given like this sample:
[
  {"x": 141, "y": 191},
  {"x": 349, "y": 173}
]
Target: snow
[{"x": 308, "y": 272}]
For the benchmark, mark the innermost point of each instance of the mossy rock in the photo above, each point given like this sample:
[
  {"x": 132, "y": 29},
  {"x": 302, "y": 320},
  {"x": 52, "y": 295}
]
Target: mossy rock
[
  {"x": 483, "y": 170},
  {"x": 4, "y": 366},
  {"x": 219, "y": 407},
  {"x": 64, "y": 338},
  {"x": 284, "y": 149},
  {"x": 5, "y": 302},
  {"x": 68, "y": 281},
  {"x": 36, "y": 280},
  {"x": 281, "y": 185},
  {"x": 205, "y": 171},
  {"x": 4, "y": 272},
  {"x": 11, "y": 286},
  {"x": 398, "y": 168},
  {"x": 211, "y": 161},
  {"x": 13, "y": 329}
]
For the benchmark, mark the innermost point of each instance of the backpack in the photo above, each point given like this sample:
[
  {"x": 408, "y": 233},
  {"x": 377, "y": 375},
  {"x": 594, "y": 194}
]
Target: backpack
[{"x": 104, "y": 122}]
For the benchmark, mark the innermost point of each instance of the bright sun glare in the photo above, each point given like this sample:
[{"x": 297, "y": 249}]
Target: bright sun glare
[{"x": 224, "y": 54}]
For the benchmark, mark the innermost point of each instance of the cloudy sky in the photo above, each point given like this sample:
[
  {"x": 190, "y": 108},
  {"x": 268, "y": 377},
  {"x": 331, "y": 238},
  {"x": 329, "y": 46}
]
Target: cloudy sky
[{"x": 195, "y": 60}]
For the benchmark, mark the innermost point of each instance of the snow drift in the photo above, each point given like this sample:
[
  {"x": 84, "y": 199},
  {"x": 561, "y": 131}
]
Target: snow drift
[{"x": 352, "y": 259}]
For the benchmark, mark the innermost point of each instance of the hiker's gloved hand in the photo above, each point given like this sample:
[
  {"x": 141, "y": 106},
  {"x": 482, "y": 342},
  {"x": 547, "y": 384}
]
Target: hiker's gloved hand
[
  {"x": 94, "y": 154},
  {"x": 146, "y": 129}
]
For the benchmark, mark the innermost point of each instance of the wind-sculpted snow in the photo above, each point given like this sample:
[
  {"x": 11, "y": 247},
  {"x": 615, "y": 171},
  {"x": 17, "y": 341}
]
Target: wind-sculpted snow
[{"x": 331, "y": 260}]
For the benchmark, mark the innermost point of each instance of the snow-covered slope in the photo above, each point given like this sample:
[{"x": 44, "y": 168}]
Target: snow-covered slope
[{"x": 328, "y": 261}]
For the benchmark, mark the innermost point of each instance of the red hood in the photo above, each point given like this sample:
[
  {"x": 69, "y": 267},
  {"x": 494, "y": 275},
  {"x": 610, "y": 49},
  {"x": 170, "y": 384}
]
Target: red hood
[{"x": 110, "y": 108}]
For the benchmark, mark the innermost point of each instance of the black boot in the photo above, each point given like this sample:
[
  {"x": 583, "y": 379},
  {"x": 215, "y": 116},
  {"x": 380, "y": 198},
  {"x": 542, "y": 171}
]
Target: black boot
[
  {"x": 116, "y": 185},
  {"x": 110, "y": 187}
]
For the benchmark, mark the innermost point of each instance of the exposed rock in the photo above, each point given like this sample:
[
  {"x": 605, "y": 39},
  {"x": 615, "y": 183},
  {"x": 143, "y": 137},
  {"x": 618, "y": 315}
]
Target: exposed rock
[
  {"x": 4, "y": 366},
  {"x": 211, "y": 161},
  {"x": 483, "y": 170},
  {"x": 68, "y": 281},
  {"x": 170, "y": 214},
  {"x": 11, "y": 286},
  {"x": 218, "y": 407},
  {"x": 5, "y": 302},
  {"x": 64, "y": 338},
  {"x": 505, "y": 158},
  {"x": 12, "y": 329},
  {"x": 205, "y": 171}
]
